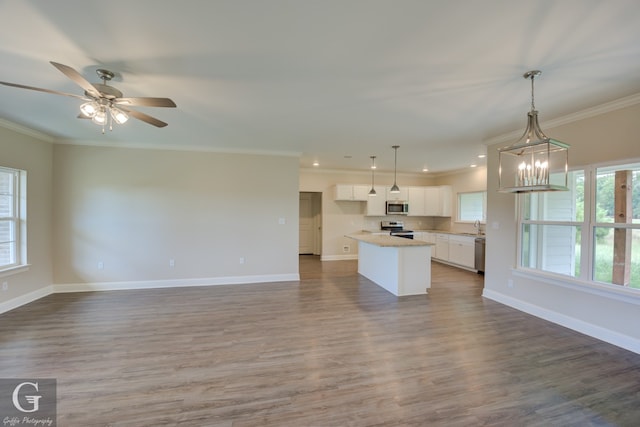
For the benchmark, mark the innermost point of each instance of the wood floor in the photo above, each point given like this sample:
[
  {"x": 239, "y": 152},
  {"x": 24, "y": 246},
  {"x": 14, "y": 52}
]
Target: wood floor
[{"x": 331, "y": 350}]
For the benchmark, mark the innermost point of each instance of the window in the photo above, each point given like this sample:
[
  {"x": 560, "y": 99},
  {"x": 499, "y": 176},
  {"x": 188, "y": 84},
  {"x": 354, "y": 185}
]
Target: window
[
  {"x": 12, "y": 218},
  {"x": 591, "y": 232},
  {"x": 472, "y": 206}
]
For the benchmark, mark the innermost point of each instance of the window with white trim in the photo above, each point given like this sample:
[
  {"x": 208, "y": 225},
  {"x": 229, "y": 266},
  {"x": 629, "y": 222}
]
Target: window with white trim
[
  {"x": 12, "y": 218},
  {"x": 472, "y": 206},
  {"x": 591, "y": 232}
]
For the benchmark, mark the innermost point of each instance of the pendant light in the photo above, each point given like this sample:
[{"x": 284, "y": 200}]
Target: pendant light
[
  {"x": 395, "y": 188},
  {"x": 526, "y": 165},
  {"x": 372, "y": 192}
]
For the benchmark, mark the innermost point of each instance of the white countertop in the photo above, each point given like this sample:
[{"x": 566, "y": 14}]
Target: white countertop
[{"x": 385, "y": 240}]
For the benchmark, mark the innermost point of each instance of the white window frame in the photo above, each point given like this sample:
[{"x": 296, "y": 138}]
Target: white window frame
[
  {"x": 483, "y": 220},
  {"x": 19, "y": 220},
  {"x": 587, "y": 227}
]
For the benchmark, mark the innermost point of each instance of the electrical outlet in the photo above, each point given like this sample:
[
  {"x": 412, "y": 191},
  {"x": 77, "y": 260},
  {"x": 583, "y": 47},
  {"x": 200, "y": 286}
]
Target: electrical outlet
[
  {"x": 5, "y": 286},
  {"x": 241, "y": 260},
  {"x": 100, "y": 265},
  {"x": 172, "y": 263},
  {"x": 510, "y": 283},
  {"x": 346, "y": 248}
]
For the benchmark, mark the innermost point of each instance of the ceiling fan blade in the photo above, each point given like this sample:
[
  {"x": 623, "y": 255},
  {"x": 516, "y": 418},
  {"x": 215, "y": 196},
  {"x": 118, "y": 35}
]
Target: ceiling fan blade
[
  {"x": 55, "y": 92},
  {"x": 145, "y": 102},
  {"x": 145, "y": 118},
  {"x": 77, "y": 78}
]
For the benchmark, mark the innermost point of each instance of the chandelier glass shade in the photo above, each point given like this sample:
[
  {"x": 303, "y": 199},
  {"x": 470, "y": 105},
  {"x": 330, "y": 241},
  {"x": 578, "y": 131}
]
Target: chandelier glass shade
[
  {"x": 100, "y": 114},
  {"x": 527, "y": 165}
]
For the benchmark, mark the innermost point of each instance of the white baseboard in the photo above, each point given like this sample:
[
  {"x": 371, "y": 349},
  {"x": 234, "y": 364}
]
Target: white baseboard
[
  {"x": 25, "y": 299},
  {"x": 148, "y": 284},
  {"x": 174, "y": 283},
  {"x": 603, "y": 334},
  {"x": 338, "y": 257}
]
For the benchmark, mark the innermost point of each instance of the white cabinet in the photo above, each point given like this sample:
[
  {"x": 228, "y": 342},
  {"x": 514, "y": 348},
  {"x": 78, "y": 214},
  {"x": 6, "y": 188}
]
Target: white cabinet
[
  {"x": 442, "y": 247},
  {"x": 416, "y": 201},
  {"x": 462, "y": 250},
  {"x": 429, "y": 201},
  {"x": 358, "y": 193},
  {"x": 376, "y": 205},
  {"x": 445, "y": 200}
]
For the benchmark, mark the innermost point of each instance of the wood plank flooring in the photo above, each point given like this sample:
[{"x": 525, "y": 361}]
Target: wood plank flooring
[{"x": 331, "y": 350}]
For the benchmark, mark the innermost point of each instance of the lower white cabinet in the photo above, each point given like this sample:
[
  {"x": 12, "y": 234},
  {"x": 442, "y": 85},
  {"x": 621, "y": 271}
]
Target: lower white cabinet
[
  {"x": 442, "y": 247},
  {"x": 462, "y": 250}
]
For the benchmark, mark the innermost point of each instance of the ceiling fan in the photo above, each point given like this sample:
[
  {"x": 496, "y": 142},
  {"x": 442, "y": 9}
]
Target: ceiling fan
[{"x": 104, "y": 104}]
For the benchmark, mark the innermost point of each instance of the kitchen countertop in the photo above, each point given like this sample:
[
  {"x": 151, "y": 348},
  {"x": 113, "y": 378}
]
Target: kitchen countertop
[
  {"x": 455, "y": 233},
  {"x": 385, "y": 240}
]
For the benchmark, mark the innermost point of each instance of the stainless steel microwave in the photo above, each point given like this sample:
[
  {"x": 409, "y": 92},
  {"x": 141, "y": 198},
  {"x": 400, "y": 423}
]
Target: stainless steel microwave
[{"x": 397, "y": 207}]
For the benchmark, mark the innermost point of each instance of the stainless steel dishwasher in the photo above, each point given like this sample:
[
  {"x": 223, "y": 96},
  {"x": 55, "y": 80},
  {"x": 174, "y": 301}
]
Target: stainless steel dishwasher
[{"x": 479, "y": 254}]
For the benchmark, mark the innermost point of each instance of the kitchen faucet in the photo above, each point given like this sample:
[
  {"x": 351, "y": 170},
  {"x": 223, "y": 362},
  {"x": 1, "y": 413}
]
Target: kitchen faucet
[{"x": 476, "y": 225}]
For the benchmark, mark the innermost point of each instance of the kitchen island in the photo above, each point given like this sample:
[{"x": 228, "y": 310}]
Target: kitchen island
[{"x": 401, "y": 266}]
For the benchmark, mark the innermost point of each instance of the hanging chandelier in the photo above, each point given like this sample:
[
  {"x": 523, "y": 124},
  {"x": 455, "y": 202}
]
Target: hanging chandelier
[{"x": 527, "y": 165}]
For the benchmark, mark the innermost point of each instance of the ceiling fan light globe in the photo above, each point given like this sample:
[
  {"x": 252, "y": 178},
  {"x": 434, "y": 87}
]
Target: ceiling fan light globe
[
  {"x": 89, "y": 109},
  {"x": 119, "y": 116},
  {"x": 100, "y": 117}
]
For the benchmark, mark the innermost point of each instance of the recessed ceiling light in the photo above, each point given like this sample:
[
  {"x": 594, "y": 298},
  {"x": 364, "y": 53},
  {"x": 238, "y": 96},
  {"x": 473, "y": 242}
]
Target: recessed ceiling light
[
  {"x": 425, "y": 170},
  {"x": 316, "y": 164},
  {"x": 473, "y": 166},
  {"x": 482, "y": 156}
]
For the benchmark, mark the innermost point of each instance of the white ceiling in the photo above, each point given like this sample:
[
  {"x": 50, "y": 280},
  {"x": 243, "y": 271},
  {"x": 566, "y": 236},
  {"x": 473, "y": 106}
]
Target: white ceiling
[{"x": 334, "y": 80}]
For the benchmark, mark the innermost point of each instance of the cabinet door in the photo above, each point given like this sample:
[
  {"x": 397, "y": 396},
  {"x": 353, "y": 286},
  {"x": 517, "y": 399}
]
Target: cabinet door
[
  {"x": 462, "y": 251},
  {"x": 432, "y": 204},
  {"x": 361, "y": 193},
  {"x": 445, "y": 200},
  {"x": 416, "y": 201},
  {"x": 442, "y": 247},
  {"x": 429, "y": 237},
  {"x": 376, "y": 205},
  {"x": 343, "y": 192}
]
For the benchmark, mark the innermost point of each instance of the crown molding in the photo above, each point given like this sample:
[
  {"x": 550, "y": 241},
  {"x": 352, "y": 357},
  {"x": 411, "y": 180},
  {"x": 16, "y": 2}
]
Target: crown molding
[
  {"x": 607, "y": 107},
  {"x": 26, "y": 131}
]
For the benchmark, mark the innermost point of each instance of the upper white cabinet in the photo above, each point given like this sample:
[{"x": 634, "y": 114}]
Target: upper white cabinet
[
  {"x": 376, "y": 205},
  {"x": 445, "y": 200},
  {"x": 358, "y": 193},
  {"x": 430, "y": 201},
  {"x": 416, "y": 201}
]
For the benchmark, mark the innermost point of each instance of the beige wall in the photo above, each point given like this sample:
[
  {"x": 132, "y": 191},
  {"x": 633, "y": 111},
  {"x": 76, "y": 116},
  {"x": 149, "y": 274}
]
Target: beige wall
[
  {"x": 17, "y": 150},
  {"x": 134, "y": 210},
  {"x": 608, "y": 137}
]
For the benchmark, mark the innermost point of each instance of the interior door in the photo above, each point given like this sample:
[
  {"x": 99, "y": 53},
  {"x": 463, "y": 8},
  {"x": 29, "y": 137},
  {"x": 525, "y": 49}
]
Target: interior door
[{"x": 307, "y": 225}]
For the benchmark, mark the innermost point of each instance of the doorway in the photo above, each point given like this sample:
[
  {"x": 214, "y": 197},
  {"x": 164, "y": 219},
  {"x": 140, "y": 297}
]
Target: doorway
[{"x": 310, "y": 240}]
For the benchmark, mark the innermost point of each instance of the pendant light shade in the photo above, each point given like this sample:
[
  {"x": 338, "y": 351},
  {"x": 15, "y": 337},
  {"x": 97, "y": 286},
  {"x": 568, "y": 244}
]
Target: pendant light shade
[
  {"x": 372, "y": 192},
  {"x": 395, "y": 188},
  {"x": 526, "y": 165}
]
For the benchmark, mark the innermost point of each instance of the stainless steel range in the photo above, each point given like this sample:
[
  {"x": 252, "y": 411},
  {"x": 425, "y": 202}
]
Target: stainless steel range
[{"x": 396, "y": 228}]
